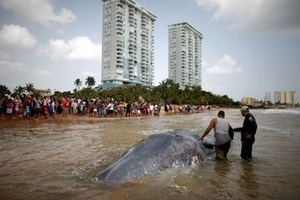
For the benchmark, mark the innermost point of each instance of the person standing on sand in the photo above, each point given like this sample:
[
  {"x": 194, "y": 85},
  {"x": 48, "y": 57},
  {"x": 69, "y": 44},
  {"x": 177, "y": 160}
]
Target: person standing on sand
[
  {"x": 248, "y": 132},
  {"x": 9, "y": 108},
  {"x": 59, "y": 108},
  {"x": 128, "y": 109},
  {"x": 223, "y": 135},
  {"x": 65, "y": 106}
]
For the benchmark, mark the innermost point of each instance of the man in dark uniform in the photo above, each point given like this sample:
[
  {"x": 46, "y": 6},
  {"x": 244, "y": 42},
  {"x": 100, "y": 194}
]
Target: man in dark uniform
[{"x": 248, "y": 132}]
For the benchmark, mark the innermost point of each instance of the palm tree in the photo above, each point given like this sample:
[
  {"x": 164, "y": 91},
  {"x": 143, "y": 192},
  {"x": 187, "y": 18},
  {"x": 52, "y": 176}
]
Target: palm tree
[
  {"x": 168, "y": 90},
  {"x": 18, "y": 91},
  {"x": 90, "y": 81},
  {"x": 36, "y": 93},
  {"x": 29, "y": 87},
  {"x": 78, "y": 83},
  {"x": 4, "y": 90}
]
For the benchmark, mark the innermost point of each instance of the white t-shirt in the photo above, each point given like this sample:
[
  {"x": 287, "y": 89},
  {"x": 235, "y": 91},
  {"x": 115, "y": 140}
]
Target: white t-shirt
[{"x": 221, "y": 131}]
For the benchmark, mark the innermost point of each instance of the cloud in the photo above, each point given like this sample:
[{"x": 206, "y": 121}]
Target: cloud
[
  {"x": 14, "y": 37},
  {"x": 44, "y": 73},
  {"x": 39, "y": 11},
  {"x": 4, "y": 56},
  {"x": 257, "y": 15},
  {"x": 226, "y": 65},
  {"x": 79, "y": 48},
  {"x": 10, "y": 69}
]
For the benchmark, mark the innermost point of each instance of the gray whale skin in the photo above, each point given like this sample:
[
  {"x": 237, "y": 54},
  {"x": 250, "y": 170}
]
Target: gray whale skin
[{"x": 156, "y": 153}]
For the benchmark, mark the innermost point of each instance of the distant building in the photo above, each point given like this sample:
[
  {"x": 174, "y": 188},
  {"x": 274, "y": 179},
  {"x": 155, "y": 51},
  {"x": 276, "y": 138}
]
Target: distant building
[
  {"x": 185, "y": 54},
  {"x": 285, "y": 97},
  {"x": 44, "y": 92},
  {"x": 267, "y": 97},
  {"x": 127, "y": 44},
  {"x": 249, "y": 101}
]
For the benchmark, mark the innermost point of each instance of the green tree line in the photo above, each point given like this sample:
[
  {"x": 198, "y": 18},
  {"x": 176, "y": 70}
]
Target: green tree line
[{"x": 167, "y": 92}]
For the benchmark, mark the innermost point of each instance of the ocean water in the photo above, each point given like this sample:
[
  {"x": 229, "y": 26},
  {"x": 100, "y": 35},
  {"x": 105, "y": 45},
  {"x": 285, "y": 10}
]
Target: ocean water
[{"x": 51, "y": 159}]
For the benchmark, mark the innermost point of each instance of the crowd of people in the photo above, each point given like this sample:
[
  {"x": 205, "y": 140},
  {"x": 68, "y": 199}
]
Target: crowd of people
[{"x": 30, "y": 107}]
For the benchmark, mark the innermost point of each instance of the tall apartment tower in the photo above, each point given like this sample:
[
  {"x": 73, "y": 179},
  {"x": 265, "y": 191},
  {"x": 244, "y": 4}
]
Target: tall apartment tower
[
  {"x": 288, "y": 97},
  {"x": 185, "y": 54},
  {"x": 267, "y": 97},
  {"x": 127, "y": 44}
]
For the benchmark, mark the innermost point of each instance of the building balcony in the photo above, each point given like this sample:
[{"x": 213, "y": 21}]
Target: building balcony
[
  {"x": 144, "y": 66},
  {"x": 119, "y": 33},
  {"x": 120, "y": 12},
  {"x": 119, "y": 23},
  {"x": 120, "y": 64}
]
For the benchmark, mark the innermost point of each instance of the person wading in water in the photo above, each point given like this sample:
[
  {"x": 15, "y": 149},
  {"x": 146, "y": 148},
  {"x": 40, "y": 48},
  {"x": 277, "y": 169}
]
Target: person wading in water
[{"x": 223, "y": 135}]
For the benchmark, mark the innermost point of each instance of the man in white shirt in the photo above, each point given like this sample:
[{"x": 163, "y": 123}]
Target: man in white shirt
[{"x": 222, "y": 138}]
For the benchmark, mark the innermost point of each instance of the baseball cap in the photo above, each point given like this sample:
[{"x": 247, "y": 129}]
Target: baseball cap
[{"x": 244, "y": 108}]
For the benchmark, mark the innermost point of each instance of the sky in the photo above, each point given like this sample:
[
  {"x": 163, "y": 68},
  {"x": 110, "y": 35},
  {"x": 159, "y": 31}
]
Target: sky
[{"x": 250, "y": 47}]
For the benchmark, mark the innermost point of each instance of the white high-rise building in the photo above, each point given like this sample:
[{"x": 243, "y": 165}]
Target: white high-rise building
[
  {"x": 127, "y": 44},
  {"x": 267, "y": 97},
  {"x": 287, "y": 97},
  {"x": 185, "y": 56}
]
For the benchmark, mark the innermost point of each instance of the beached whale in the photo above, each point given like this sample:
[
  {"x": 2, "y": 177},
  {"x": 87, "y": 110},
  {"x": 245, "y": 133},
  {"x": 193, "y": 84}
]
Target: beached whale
[{"x": 156, "y": 153}]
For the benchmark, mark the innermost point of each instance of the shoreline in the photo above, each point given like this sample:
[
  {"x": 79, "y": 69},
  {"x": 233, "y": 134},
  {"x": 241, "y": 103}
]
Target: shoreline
[{"x": 4, "y": 122}]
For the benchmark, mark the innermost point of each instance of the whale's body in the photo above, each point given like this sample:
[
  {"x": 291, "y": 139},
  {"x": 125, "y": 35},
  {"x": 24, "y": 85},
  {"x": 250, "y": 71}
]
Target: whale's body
[{"x": 156, "y": 153}]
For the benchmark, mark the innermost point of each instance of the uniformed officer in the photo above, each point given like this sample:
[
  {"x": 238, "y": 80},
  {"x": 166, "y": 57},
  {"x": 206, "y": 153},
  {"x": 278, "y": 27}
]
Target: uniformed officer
[{"x": 248, "y": 132}]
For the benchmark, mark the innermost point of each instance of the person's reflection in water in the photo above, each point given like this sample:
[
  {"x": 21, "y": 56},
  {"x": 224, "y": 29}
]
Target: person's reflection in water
[
  {"x": 219, "y": 179},
  {"x": 248, "y": 182},
  {"x": 222, "y": 168}
]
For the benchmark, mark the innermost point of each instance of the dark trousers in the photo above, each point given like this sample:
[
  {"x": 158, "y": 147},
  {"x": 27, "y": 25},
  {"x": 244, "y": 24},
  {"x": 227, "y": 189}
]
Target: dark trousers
[
  {"x": 127, "y": 113},
  {"x": 222, "y": 150},
  {"x": 246, "y": 152}
]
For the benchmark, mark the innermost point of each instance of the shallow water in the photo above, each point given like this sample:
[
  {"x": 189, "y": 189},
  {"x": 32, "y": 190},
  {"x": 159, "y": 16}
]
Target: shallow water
[{"x": 59, "y": 159}]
